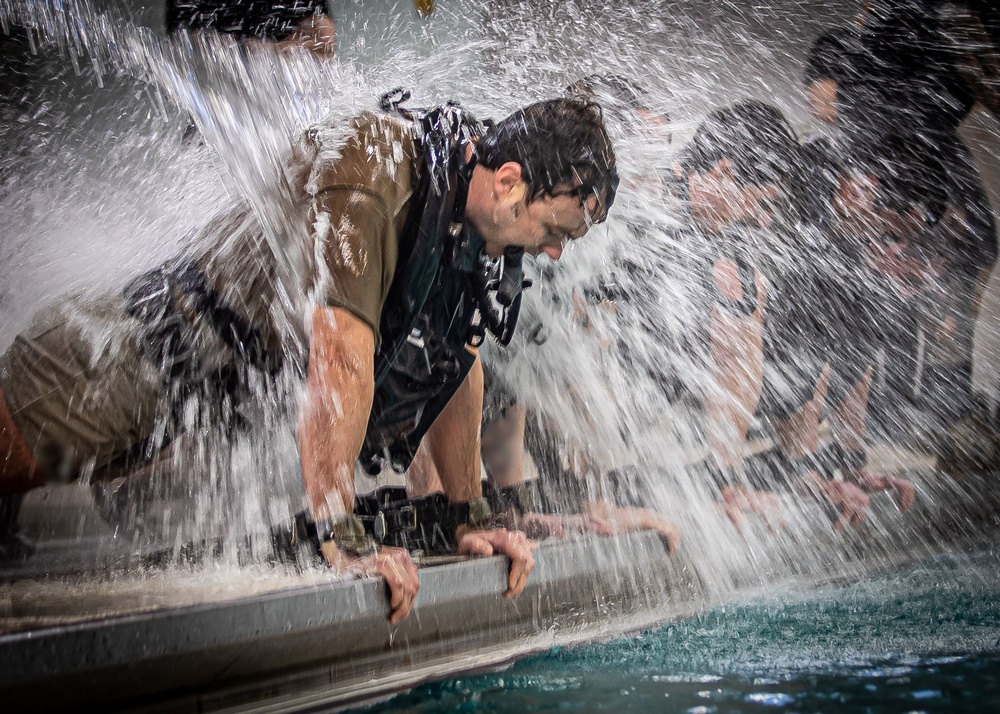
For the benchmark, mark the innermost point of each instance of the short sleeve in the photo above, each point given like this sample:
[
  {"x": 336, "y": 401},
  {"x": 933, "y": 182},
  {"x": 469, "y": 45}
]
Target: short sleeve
[{"x": 359, "y": 207}]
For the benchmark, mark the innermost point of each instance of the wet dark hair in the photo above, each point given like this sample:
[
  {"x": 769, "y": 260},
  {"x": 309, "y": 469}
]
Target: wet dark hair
[
  {"x": 754, "y": 136},
  {"x": 270, "y": 20},
  {"x": 558, "y": 143},
  {"x": 907, "y": 170},
  {"x": 621, "y": 90},
  {"x": 832, "y": 56}
]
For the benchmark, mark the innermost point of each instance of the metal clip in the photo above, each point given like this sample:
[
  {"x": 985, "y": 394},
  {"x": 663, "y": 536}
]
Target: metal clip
[{"x": 416, "y": 338}]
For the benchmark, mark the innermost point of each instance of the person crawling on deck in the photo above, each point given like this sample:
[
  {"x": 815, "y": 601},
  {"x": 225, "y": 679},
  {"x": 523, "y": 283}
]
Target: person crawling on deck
[
  {"x": 278, "y": 24},
  {"x": 412, "y": 232}
]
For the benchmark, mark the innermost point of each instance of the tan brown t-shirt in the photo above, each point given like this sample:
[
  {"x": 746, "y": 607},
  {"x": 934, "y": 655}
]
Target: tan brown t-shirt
[
  {"x": 356, "y": 202},
  {"x": 359, "y": 209}
]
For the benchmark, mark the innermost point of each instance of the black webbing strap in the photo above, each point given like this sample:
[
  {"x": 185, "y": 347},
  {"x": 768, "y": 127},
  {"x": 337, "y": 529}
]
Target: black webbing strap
[
  {"x": 427, "y": 523},
  {"x": 520, "y": 499}
]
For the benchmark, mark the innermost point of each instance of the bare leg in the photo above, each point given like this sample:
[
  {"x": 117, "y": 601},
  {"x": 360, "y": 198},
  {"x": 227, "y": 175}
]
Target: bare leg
[
  {"x": 18, "y": 471},
  {"x": 503, "y": 447}
]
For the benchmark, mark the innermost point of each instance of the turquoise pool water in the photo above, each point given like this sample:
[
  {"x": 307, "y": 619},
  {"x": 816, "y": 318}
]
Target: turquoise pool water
[{"x": 924, "y": 639}]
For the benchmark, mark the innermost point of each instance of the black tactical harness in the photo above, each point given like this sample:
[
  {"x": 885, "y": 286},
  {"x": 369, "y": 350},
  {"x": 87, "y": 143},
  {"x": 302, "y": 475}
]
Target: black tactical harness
[{"x": 441, "y": 299}]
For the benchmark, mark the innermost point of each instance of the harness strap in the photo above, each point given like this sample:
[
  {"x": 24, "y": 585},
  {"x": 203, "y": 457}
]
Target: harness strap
[
  {"x": 427, "y": 524},
  {"x": 520, "y": 499},
  {"x": 168, "y": 300}
]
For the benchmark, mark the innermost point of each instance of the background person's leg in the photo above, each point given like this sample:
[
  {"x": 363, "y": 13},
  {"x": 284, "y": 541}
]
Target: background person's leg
[
  {"x": 13, "y": 546},
  {"x": 18, "y": 472}
]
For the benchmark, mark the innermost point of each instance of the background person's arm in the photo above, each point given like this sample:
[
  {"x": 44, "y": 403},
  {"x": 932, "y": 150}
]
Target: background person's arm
[{"x": 737, "y": 368}]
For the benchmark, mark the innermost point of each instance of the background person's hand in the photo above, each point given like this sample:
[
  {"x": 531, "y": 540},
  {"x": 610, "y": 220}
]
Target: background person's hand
[
  {"x": 904, "y": 493},
  {"x": 550, "y": 525},
  {"x": 851, "y": 502},
  {"x": 628, "y": 520},
  {"x": 500, "y": 541},
  {"x": 737, "y": 501}
]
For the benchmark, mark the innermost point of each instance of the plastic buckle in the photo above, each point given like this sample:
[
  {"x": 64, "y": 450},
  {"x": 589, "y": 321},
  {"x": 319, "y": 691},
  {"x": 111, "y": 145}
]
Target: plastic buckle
[{"x": 412, "y": 512}]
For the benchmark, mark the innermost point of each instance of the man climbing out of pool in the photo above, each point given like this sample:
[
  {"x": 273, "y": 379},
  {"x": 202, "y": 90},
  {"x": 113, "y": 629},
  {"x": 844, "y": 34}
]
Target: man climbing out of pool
[
  {"x": 412, "y": 232},
  {"x": 627, "y": 106}
]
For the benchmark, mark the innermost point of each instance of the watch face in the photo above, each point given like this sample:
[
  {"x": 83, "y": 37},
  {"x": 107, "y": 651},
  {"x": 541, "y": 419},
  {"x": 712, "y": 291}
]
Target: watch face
[{"x": 379, "y": 527}]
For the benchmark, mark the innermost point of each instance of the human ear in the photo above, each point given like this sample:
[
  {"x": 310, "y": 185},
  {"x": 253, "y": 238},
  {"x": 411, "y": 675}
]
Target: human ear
[{"x": 508, "y": 179}]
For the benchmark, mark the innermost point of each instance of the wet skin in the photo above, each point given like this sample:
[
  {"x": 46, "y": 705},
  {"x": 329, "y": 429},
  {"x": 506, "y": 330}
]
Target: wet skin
[{"x": 501, "y": 210}]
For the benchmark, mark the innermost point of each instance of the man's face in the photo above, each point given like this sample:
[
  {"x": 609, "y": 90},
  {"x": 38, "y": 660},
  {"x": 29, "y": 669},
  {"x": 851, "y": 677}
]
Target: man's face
[
  {"x": 891, "y": 234},
  {"x": 542, "y": 225},
  {"x": 719, "y": 200},
  {"x": 863, "y": 213}
]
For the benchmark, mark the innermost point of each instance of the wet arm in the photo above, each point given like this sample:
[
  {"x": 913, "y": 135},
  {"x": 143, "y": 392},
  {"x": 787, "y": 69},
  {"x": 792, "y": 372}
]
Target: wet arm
[
  {"x": 453, "y": 439},
  {"x": 334, "y": 417},
  {"x": 737, "y": 371}
]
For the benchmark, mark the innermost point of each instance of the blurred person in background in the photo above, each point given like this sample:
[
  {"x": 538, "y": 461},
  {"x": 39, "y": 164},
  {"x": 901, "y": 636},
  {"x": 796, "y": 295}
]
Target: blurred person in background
[{"x": 919, "y": 66}]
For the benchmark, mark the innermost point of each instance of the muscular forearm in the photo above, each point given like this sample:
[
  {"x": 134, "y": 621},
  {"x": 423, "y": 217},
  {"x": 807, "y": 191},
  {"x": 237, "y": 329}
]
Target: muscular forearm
[
  {"x": 334, "y": 417},
  {"x": 453, "y": 440}
]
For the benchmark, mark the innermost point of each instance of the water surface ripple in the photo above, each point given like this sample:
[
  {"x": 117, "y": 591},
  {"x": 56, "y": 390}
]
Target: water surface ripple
[{"x": 926, "y": 639}]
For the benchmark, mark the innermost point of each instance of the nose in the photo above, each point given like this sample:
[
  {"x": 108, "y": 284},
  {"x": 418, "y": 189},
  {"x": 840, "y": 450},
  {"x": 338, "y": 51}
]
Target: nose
[{"x": 553, "y": 251}]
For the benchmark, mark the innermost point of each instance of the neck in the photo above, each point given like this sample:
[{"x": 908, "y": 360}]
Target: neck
[{"x": 477, "y": 208}]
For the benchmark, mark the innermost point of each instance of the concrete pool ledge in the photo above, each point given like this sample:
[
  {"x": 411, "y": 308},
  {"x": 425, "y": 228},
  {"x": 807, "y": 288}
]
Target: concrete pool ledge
[
  {"x": 334, "y": 636},
  {"x": 206, "y": 640}
]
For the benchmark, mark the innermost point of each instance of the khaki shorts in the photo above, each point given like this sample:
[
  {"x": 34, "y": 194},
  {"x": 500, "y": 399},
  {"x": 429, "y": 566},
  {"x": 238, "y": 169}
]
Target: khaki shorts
[{"x": 79, "y": 389}]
